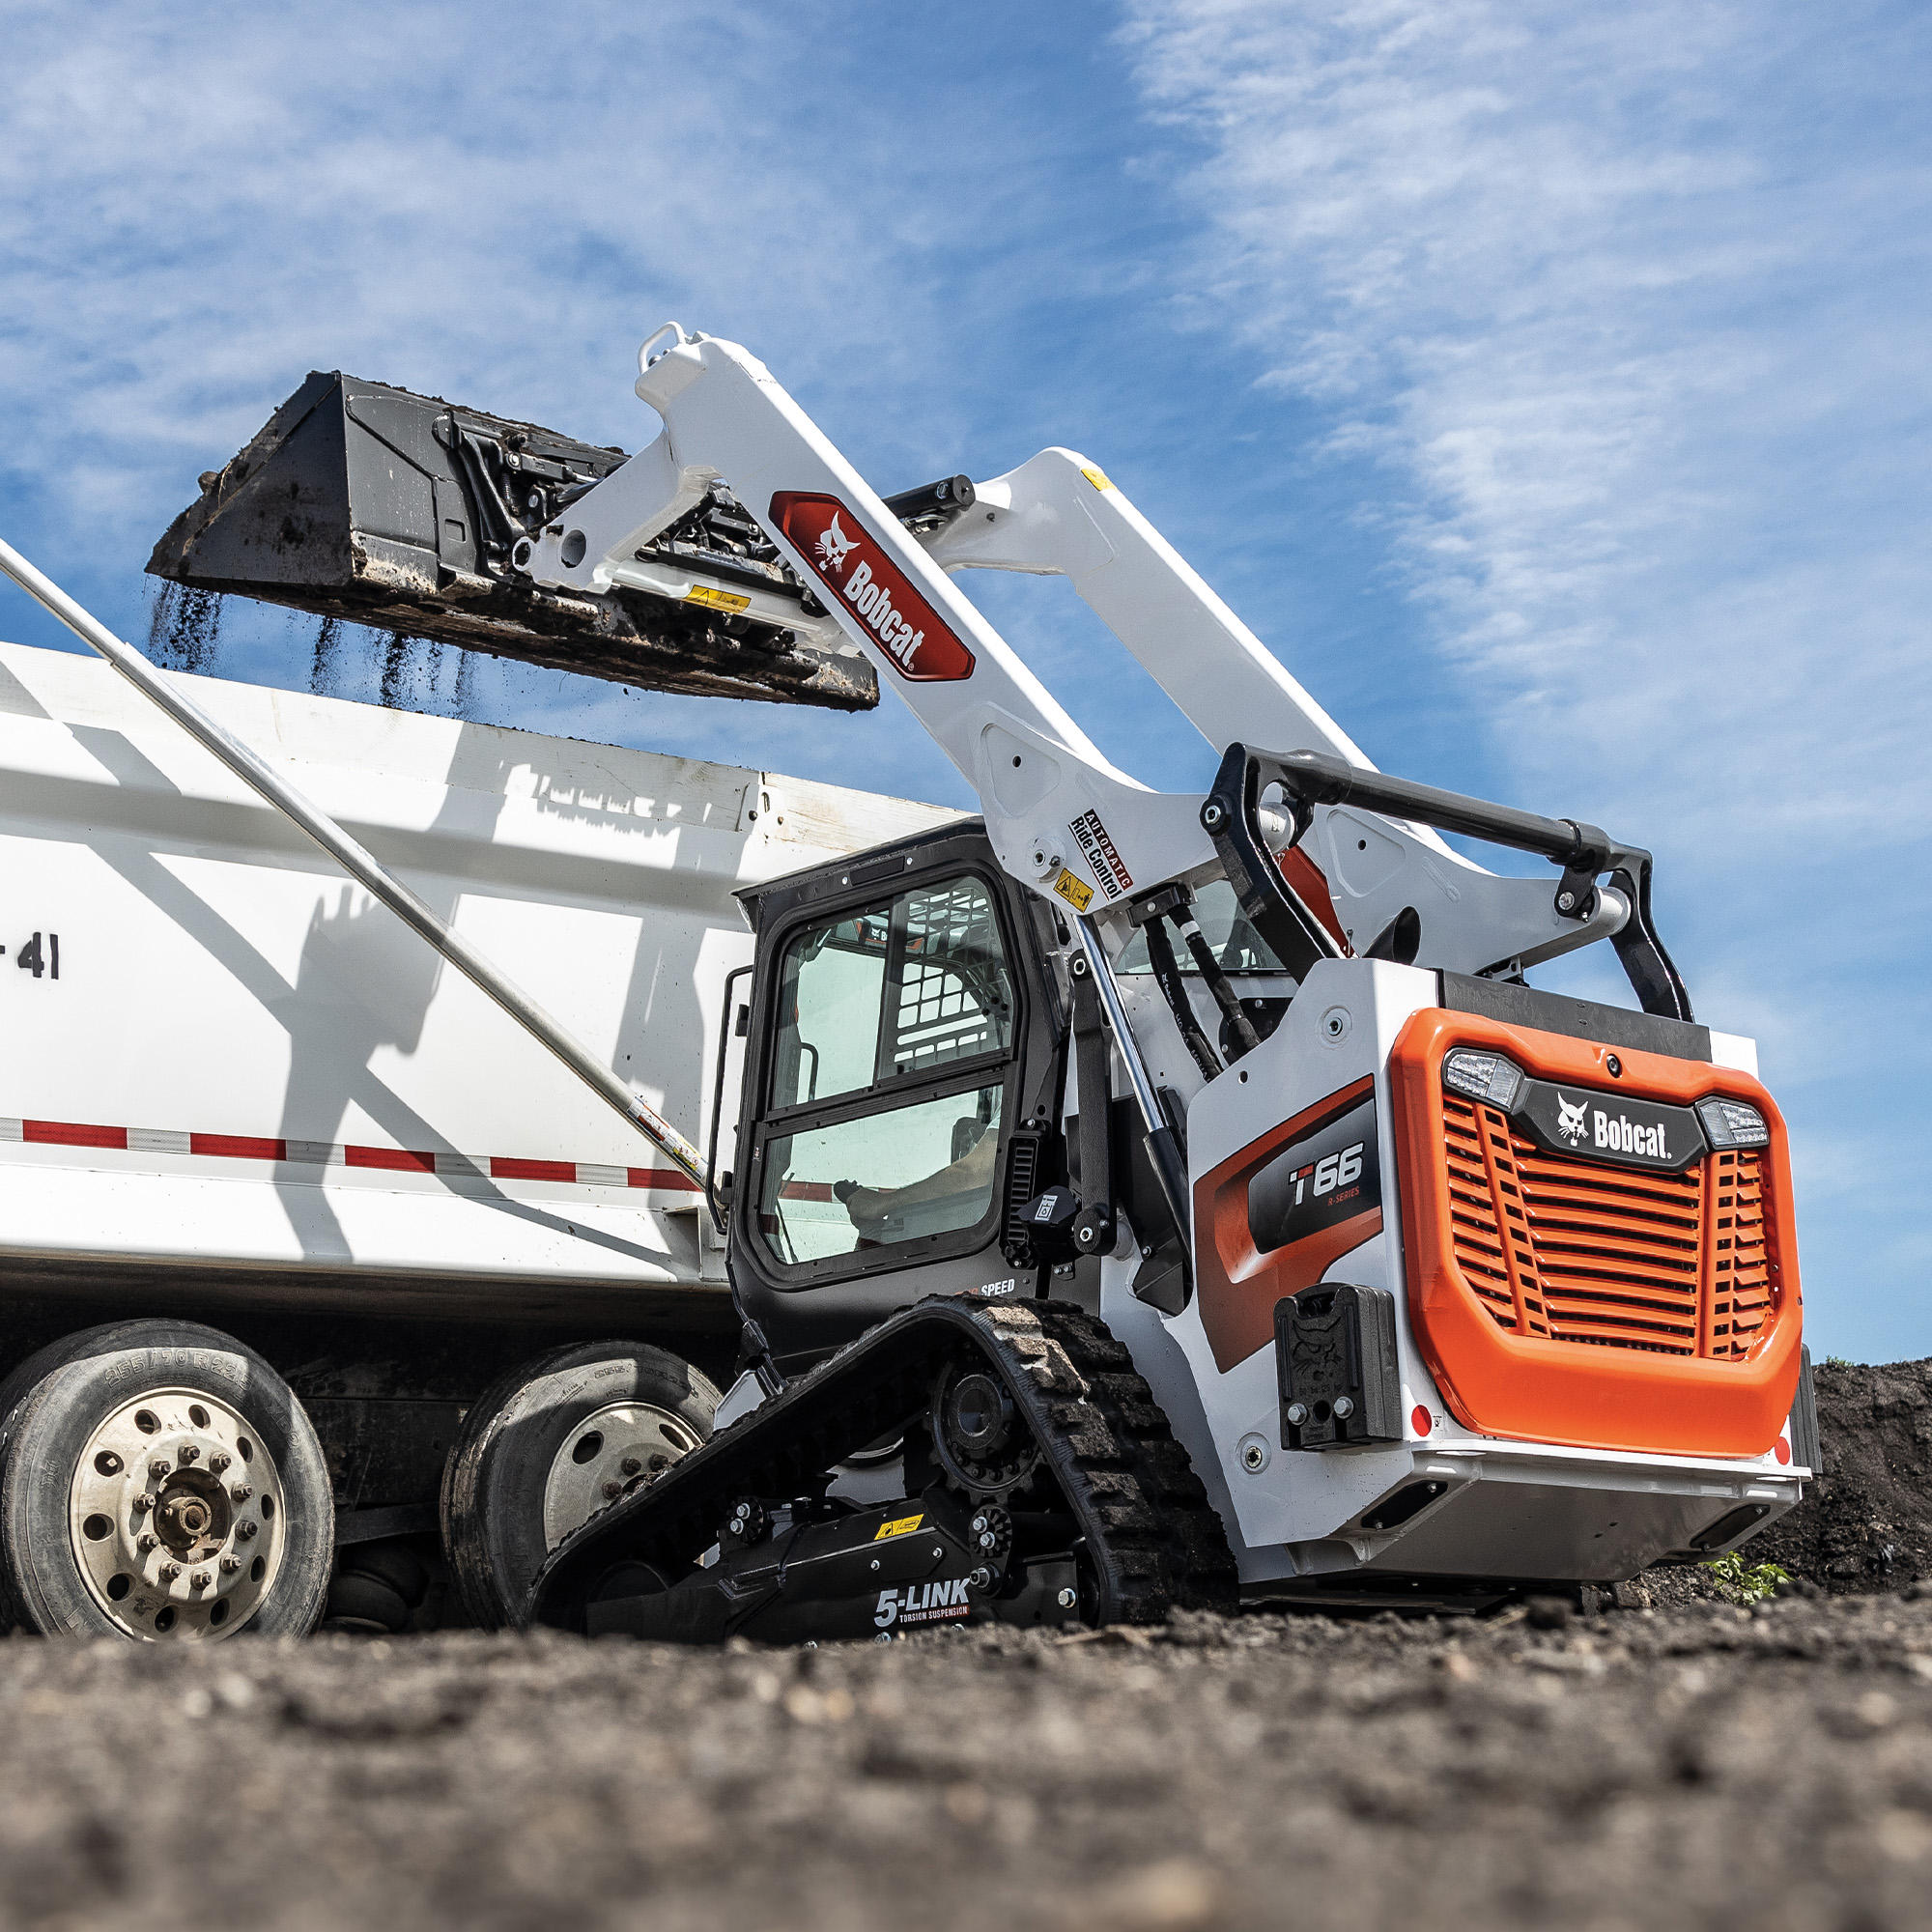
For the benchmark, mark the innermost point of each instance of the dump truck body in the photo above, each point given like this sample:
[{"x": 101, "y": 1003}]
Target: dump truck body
[{"x": 228, "y": 1064}]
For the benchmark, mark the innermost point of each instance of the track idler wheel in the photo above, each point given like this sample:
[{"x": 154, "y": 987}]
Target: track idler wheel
[{"x": 980, "y": 1439}]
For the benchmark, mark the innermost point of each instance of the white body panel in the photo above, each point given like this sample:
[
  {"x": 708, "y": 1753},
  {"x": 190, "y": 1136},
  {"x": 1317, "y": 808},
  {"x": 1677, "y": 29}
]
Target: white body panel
[{"x": 218, "y": 977}]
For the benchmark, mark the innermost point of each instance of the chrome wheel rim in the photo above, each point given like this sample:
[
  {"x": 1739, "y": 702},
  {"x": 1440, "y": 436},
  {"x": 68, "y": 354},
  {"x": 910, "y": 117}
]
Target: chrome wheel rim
[
  {"x": 177, "y": 1516},
  {"x": 613, "y": 1448}
]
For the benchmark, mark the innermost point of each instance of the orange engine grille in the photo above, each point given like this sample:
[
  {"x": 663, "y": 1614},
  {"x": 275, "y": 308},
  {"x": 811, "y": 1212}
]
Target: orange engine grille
[{"x": 1576, "y": 1251}]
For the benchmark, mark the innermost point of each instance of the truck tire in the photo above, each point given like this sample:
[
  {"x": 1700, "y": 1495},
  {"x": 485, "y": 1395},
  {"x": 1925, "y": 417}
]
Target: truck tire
[
  {"x": 158, "y": 1481},
  {"x": 545, "y": 1447}
]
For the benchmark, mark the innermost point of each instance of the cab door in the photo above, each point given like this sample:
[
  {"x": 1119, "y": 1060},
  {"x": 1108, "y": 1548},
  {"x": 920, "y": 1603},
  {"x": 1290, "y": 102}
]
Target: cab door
[{"x": 902, "y": 1025}]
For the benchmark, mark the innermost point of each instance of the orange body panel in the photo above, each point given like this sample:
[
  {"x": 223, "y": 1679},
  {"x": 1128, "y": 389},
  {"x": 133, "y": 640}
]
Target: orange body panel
[
  {"x": 1238, "y": 1286},
  {"x": 1558, "y": 1299}
]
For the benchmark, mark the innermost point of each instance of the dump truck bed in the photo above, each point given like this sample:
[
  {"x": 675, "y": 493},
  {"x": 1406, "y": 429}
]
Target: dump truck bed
[{"x": 225, "y": 1061}]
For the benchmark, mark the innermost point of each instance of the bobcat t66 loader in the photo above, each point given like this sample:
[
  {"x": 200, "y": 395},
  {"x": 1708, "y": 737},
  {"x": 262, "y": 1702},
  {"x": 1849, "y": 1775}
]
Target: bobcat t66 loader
[{"x": 1139, "y": 1199}]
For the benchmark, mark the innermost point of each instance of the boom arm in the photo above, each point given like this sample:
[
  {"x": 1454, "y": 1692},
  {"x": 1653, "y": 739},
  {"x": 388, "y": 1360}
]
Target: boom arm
[
  {"x": 1058, "y": 812},
  {"x": 1060, "y": 816}
]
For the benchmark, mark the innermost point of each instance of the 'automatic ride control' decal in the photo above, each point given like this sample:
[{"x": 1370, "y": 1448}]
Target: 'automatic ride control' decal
[{"x": 855, "y": 568}]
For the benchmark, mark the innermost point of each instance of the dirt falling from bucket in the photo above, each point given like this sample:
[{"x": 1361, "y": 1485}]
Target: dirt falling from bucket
[{"x": 185, "y": 628}]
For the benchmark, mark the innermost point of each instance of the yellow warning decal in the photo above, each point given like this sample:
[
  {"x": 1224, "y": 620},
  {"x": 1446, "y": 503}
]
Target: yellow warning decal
[
  {"x": 904, "y": 1526},
  {"x": 716, "y": 600},
  {"x": 1079, "y": 897},
  {"x": 1097, "y": 476}
]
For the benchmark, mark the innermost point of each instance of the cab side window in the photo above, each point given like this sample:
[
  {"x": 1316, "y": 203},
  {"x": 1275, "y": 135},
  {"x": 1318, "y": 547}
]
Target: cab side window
[{"x": 896, "y": 1025}]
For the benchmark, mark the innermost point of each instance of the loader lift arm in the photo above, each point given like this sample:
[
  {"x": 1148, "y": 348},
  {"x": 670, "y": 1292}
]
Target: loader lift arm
[{"x": 1064, "y": 820}]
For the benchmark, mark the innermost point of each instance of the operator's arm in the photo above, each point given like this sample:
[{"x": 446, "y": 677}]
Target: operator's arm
[{"x": 971, "y": 1173}]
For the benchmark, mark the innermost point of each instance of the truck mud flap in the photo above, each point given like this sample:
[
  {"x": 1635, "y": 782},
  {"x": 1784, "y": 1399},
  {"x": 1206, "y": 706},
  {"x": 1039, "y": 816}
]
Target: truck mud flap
[{"x": 376, "y": 506}]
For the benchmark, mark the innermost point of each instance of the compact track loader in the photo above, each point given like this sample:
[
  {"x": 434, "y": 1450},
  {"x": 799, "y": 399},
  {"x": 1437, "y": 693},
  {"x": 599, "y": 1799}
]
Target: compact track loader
[{"x": 1139, "y": 1199}]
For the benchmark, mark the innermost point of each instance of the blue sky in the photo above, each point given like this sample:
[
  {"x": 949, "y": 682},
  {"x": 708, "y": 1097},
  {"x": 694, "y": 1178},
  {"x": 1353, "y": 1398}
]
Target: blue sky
[{"x": 1547, "y": 386}]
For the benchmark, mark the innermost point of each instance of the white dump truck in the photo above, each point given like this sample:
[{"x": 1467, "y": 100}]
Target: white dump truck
[{"x": 237, "y": 1092}]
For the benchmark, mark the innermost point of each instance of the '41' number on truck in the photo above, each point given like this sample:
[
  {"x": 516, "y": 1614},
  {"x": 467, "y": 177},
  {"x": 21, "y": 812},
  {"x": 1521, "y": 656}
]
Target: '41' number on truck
[{"x": 36, "y": 957}]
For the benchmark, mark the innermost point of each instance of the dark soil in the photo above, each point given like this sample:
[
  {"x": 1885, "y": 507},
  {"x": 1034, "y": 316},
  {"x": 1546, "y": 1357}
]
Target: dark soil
[
  {"x": 1704, "y": 1767},
  {"x": 1866, "y": 1524},
  {"x": 1690, "y": 1763}
]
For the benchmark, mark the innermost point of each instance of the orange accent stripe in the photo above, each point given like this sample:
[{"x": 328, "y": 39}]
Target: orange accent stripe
[{"x": 1237, "y": 1285}]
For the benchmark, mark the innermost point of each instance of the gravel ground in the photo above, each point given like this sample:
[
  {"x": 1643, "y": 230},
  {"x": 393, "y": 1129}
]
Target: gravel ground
[
  {"x": 1683, "y": 1763},
  {"x": 1702, "y": 1766}
]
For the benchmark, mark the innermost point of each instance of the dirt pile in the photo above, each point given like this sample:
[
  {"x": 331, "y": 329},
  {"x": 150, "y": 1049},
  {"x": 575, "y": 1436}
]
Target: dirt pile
[{"x": 1866, "y": 1524}]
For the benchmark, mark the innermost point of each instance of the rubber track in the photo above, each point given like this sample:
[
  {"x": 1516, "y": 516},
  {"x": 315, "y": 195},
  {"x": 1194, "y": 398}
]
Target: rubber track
[
  {"x": 1163, "y": 1540},
  {"x": 1153, "y": 1539}
]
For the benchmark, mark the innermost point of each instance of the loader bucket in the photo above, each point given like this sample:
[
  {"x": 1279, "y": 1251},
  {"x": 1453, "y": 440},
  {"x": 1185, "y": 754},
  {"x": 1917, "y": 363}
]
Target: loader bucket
[{"x": 377, "y": 506}]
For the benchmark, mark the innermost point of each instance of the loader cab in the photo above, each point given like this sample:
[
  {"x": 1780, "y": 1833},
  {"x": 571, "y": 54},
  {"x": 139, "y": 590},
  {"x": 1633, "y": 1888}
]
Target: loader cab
[{"x": 902, "y": 1024}]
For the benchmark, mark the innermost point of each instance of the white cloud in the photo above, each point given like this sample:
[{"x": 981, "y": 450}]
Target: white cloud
[{"x": 1629, "y": 302}]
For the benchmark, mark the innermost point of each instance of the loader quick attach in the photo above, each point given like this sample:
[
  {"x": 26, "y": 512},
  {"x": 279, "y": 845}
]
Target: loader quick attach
[{"x": 1133, "y": 1198}]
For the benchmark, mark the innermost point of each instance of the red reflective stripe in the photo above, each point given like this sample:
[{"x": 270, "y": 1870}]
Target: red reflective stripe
[
  {"x": 238, "y": 1146},
  {"x": 71, "y": 1133},
  {"x": 402, "y": 1160},
  {"x": 807, "y": 1190},
  {"x": 506, "y": 1168},
  {"x": 391, "y": 1157}
]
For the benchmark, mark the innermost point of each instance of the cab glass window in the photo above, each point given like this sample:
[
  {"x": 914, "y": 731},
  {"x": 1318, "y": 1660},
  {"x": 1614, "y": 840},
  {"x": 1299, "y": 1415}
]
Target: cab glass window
[{"x": 882, "y": 1132}]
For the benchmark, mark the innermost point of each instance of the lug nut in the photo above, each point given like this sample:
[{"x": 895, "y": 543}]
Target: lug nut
[
  {"x": 201, "y": 1579},
  {"x": 219, "y": 1461},
  {"x": 246, "y": 1530},
  {"x": 630, "y": 1466},
  {"x": 147, "y": 1540},
  {"x": 242, "y": 1491},
  {"x": 230, "y": 1563},
  {"x": 142, "y": 1503},
  {"x": 614, "y": 1488},
  {"x": 188, "y": 1454},
  {"x": 170, "y": 1570},
  {"x": 159, "y": 1467}
]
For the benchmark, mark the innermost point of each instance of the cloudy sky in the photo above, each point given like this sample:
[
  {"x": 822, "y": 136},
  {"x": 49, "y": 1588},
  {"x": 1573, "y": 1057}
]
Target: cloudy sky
[{"x": 1547, "y": 386}]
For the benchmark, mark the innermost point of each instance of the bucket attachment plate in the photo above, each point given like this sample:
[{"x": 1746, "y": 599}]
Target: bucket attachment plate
[{"x": 377, "y": 506}]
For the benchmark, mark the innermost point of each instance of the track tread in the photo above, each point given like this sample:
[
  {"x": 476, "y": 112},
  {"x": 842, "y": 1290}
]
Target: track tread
[
  {"x": 1152, "y": 1541},
  {"x": 1166, "y": 1545}
]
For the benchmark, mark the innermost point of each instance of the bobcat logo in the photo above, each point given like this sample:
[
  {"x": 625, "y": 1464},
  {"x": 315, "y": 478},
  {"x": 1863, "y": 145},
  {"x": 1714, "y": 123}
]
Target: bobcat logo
[
  {"x": 834, "y": 546},
  {"x": 1570, "y": 1118}
]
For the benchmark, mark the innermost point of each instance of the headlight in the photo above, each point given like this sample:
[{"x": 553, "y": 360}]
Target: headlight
[
  {"x": 1732, "y": 1123},
  {"x": 1484, "y": 1076}
]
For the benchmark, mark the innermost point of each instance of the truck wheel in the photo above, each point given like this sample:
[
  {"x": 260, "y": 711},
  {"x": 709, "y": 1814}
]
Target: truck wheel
[
  {"x": 547, "y": 1446},
  {"x": 159, "y": 1480}
]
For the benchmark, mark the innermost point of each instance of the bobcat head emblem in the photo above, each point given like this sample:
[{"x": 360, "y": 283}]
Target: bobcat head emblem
[
  {"x": 1570, "y": 1118},
  {"x": 834, "y": 546}
]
